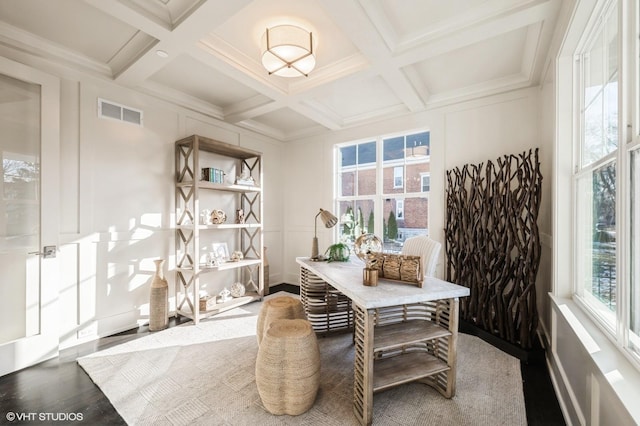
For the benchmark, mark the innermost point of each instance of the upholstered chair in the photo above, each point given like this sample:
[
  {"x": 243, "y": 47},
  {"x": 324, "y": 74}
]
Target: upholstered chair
[{"x": 425, "y": 247}]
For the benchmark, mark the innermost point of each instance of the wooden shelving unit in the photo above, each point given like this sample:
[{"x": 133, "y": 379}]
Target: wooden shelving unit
[{"x": 191, "y": 273}]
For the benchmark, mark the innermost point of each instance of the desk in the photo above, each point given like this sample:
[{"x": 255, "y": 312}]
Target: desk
[{"x": 402, "y": 333}]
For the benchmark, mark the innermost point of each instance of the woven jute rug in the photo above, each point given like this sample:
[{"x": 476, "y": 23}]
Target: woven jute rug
[{"x": 205, "y": 375}]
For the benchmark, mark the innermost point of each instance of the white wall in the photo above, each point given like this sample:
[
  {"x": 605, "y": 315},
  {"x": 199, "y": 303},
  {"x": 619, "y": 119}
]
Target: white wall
[
  {"x": 117, "y": 200},
  {"x": 470, "y": 132},
  {"x": 118, "y": 204}
]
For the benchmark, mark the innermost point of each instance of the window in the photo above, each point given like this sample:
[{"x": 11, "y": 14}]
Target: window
[
  {"x": 380, "y": 188},
  {"x": 606, "y": 176},
  {"x": 398, "y": 177},
  {"x": 425, "y": 182},
  {"x": 400, "y": 209}
]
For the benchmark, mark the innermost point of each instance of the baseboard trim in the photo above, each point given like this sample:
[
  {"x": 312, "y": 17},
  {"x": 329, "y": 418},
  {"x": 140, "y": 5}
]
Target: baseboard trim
[{"x": 534, "y": 355}]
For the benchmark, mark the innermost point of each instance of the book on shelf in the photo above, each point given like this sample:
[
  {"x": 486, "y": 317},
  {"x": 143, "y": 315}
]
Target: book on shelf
[{"x": 211, "y": 174}]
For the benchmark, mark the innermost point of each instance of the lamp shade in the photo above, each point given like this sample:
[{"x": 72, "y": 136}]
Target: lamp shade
[
  {"x": 328, "y": 218},
  {"x": 287, "y": 51},
  {"x": 329, "y": 221}
]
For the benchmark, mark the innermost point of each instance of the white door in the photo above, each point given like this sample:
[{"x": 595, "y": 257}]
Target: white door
[{"x": 29, "y": 187}]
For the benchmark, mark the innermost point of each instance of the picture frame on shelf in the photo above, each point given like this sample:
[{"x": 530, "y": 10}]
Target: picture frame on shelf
[{"x": 221, "y": 251}]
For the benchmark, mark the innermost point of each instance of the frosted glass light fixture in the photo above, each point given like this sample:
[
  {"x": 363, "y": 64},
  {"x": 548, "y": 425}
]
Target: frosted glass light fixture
[{"x": 287, "y": 51}]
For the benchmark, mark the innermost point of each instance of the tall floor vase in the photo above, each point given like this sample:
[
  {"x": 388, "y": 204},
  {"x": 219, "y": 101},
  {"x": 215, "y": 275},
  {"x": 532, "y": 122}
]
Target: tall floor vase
[
  {"x": 265, "y": 268},
  {"x": 159, "y": 303}
]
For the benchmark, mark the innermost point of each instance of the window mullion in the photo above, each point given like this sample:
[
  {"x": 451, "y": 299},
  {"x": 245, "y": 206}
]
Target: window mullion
[{"x": 378, "y": 203}]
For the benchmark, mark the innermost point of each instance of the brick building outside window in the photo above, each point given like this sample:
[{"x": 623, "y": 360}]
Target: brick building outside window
[{"x": 382, "y": 187}]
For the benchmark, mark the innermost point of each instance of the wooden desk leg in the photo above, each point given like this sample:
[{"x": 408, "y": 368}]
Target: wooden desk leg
[
  {"x": 453, "y": 347},
  {"x": 363, "y": 365}
]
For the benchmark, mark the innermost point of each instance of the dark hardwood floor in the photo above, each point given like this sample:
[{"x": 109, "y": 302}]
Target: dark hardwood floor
[{"x": 59, "y": 392}]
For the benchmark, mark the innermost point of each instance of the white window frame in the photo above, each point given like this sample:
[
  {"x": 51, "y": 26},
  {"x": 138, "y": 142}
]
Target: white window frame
[{"x": 616, "y": 324}]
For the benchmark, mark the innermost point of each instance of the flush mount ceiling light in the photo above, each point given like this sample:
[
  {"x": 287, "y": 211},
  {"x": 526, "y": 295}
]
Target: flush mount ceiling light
[{"x": 287, "y": 51}]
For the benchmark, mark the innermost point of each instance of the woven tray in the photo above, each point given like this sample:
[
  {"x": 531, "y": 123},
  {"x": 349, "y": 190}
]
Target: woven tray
[{"x": 398, "y": 267}]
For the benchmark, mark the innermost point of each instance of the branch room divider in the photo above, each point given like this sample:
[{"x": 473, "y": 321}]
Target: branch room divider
[{"x": 492, "y": 244}]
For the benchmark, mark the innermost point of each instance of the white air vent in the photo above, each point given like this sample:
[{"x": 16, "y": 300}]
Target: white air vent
[{"x": 112, "y": 110}]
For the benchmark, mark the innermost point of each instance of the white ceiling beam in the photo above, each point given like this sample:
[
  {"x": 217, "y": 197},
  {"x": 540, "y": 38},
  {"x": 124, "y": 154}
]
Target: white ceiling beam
[
  {"x": 192, "y": 28},
  {"x": 474, "y": 34},
  {"x": 137, "y": 18},
  {"x": 354, "y": 21},
  {"x": 249, "y": 108}
]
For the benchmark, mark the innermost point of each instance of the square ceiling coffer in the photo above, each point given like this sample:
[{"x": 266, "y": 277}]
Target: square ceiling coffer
[{"x": 115, "y": 111}]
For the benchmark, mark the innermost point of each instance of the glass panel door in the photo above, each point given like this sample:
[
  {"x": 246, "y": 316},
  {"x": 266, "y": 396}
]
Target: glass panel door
[
  {"x": 29, "y": 211},
  {"x": 20, "y": 208}
]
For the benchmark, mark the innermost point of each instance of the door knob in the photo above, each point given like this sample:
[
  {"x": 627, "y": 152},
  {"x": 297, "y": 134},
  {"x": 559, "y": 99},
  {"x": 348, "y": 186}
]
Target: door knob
[{"x": 46, "y": 253}]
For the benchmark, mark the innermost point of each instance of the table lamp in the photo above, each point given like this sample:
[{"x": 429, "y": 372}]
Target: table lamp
[{"x": 329, "y": 221}]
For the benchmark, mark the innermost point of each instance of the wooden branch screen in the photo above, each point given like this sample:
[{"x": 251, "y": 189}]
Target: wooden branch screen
[{"x": 492, "y": 244}]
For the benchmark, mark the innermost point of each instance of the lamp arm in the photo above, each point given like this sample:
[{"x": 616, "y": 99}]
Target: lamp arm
[{"x": 315, "y": 225}]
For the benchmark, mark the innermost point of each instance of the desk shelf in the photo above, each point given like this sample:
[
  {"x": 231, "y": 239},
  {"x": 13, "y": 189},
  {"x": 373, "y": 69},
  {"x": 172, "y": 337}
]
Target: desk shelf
[
  {"x": 394, "y": 336},
  {"x": 405, "y": 368}
]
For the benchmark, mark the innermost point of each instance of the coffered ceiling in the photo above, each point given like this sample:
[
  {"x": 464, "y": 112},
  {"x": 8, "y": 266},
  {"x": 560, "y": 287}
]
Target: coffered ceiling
[{"x": 375, "y": 58}]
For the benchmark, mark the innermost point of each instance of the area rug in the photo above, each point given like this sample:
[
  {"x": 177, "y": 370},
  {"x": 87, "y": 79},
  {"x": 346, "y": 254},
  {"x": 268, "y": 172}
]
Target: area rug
[{"x": 205, "y": 375}]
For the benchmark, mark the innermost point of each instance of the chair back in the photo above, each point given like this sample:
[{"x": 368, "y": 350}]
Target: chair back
[{"x": 425, "y": 247}]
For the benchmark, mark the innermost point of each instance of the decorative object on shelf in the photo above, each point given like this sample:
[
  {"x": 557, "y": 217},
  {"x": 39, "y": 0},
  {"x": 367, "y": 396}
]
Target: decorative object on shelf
[
  {"x": 338, "y": 252},
  {"x": 329, "y": 221},
  {"x": 245, "y": 177},
  {"x": 218, "y": 217},
  {"x": 237, "y": 289},
  {"x": 213, "y": 259},
  {"x": 205, "y": 217},
  {"x": 288, "y": 51},
  {"x": 225, "y": 295},
  {"x": 236, "y": 256},
  {"x": 211, "y": 174},
  {"x": 221, "y": 251},
  {"x": 159, "y": 300},
  {"x": 239, "y": 216},
  {"x": 365, "y": 244},
  {"x": 207, "y": 303}
]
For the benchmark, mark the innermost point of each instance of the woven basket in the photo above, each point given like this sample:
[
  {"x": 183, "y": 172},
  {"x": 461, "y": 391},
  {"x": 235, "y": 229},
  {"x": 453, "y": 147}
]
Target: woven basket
[
  {"x": 283, "y": 307},
  {"x": 391, "y": 267},
  {"x": 410, "y": 269},
  {"x": 288, "y": 367}
]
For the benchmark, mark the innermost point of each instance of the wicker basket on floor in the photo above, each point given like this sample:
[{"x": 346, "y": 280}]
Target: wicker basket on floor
[
  {"x": 288, "y": 367},
  {"x": 283, "y": 307}
]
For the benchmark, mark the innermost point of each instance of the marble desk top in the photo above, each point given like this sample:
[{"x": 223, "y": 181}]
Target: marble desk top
[{"x": 347, "y": 278}]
